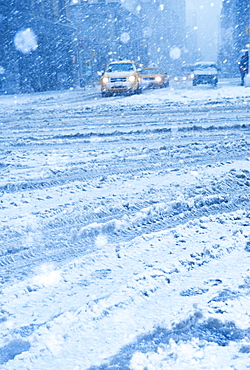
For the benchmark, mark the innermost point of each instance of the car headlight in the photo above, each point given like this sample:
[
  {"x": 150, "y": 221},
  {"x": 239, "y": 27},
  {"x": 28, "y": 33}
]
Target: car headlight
[
  {"x": 191, "y": 75},
  {"x": 131, "y": 78},
  {"x": 176, "y": 78},
  {"x": 158, "y": 79},
  {"x": 184, "y": 78},
  {"x": 105, "y": 80}
]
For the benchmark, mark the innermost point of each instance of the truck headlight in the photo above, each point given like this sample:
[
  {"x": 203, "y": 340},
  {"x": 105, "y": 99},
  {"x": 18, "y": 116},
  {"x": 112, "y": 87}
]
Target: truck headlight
[
  {"x": 105, "y": 80},
  {"x": 131, "y": 79},
  {"x": 158, "y": 79}
]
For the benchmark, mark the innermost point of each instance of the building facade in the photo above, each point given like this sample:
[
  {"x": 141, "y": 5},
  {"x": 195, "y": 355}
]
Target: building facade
[
  {"x": 36, "y": 46},
  {"x": 149, "y": 32},
  {"x": 234, "y": 41},
  {"x": 106, "y": 31},
  {"x": 166, "y": 22},
  {"x": 164, "y": 28},
  {"x": 56, "y": 44}
]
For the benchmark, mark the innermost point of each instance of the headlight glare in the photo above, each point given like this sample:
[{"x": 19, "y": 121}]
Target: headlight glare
[
  {"x": 105, "y": 80},
  {"x": 158, "y": 79},
  {"x": 131, "y": 79}
]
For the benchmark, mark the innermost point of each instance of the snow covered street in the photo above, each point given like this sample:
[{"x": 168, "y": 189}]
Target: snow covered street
[{"x": 125, "y": 230}]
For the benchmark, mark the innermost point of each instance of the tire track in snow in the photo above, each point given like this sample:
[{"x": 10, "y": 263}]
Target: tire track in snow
[
  {"x": 57, "y": 244},
  {"x": 151, "y": 144}
]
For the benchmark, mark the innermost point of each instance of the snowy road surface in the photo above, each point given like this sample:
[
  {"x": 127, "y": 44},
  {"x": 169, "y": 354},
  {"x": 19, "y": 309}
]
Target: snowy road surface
[{"x": 125, "y": 230}]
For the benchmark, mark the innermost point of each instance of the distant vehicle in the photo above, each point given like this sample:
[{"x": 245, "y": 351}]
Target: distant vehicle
[
  {"x": 119, "y": 77},
  {"x": 185, "y": 74},
  {"x": 205, "y": 73},
  {"x": 153, "y": 77}
]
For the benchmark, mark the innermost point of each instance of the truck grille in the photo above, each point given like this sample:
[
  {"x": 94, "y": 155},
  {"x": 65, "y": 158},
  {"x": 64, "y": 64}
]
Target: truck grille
[{"x": 118, "y": 79}]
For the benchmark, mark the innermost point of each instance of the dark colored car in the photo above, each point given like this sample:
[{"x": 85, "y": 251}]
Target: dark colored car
[{"x": 205, "y": 73}]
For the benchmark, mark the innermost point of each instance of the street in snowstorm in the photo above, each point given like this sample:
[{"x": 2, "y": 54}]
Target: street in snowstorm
[{"x": 125, "y": 229}]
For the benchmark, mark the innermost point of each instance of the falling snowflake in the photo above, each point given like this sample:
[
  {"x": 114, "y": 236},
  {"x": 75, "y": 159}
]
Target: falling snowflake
[{"x": 25, "y": 41}]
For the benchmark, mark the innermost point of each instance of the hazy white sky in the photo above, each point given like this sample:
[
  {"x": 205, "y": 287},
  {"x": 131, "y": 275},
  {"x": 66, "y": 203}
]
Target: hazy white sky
[
  {"x": 198, "y": 4},
  {"x": 204, "y": 16}
]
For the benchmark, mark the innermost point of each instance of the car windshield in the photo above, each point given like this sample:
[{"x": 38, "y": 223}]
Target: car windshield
[
  {"x": 205, "y": 66},
  {"x": 151, "y": 71},
  {"x": 120, "y": 67}
]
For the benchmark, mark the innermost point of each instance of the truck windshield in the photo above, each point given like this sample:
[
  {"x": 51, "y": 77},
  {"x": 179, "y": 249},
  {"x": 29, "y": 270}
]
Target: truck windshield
[{"x": 120, "y": 67}]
